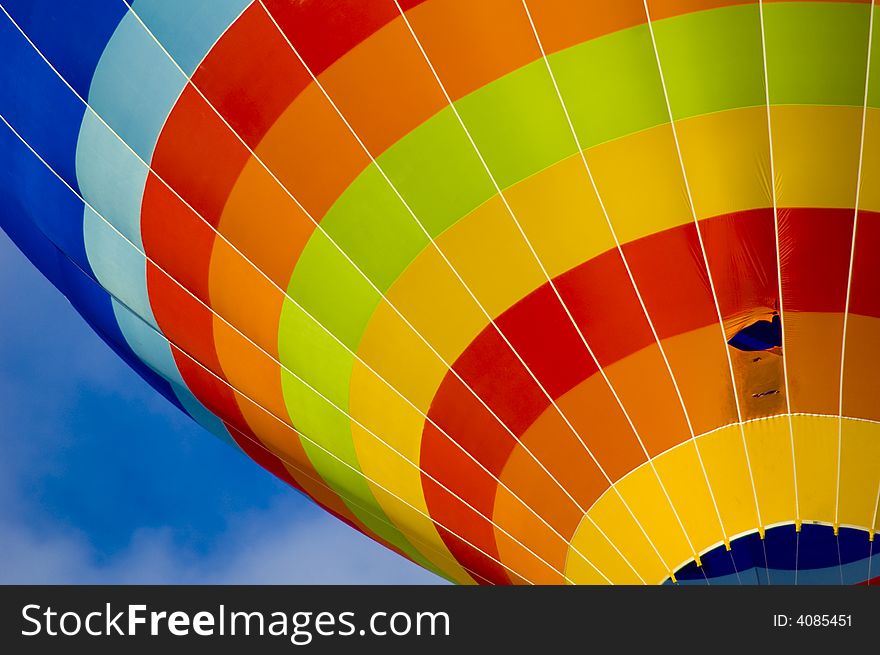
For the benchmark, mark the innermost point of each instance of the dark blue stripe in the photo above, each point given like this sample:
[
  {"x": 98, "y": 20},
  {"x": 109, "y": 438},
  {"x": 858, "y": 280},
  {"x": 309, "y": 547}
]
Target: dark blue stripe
[{"x": 818, "y": 549}]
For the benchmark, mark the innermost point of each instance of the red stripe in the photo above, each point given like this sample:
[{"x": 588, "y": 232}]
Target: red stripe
[
  {"x": 250, "y": 75},
  {"x": 865, "y": 298},
  {"x": 668, "y": 267},
  {"x": 324, "y": 31},
  {"x": 814, "y": 258}
]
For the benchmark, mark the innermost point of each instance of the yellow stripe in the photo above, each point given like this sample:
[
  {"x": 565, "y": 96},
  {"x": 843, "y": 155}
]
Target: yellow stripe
[
  {"x": 816, "y": 153},
  {"x": 815, "y": 452},
  {"x": 860, "y": 472},
  {"x": 770, "y": 450},
  {"x": 587, "y": 539}
]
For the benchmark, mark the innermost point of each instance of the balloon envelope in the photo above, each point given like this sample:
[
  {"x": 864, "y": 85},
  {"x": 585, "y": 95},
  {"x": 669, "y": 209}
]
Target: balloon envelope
[{"x": 530, "y": 292}]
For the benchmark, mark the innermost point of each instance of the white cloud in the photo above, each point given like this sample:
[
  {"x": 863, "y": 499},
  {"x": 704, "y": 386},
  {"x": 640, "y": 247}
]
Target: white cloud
[{"x": 280, "y": 545}]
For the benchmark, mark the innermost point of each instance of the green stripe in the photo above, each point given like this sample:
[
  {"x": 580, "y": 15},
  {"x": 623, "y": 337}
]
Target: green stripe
[
  {"x": 817, "y": 56},
  {"x": 611, "y": 86},
  {"x": 305, "y": 347},
  {"x": 712, "y": 61},
  {"x": 518, "y": 124}
]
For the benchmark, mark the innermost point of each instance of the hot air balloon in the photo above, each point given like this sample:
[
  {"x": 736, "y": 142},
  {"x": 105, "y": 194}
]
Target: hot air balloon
[{"x": 528, "y": 291}]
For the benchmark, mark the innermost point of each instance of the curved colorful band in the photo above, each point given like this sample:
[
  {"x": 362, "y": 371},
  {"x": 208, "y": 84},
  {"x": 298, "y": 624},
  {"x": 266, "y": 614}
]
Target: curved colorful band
[{"x": 363, "y": 283}]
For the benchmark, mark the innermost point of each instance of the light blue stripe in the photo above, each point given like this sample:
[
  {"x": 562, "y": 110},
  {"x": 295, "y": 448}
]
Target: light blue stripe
[
  {"x": 119, "y": 267},
  {"x": 134, "y": 88},
  {"x": 188, "y": 29},
  {"x": 111, "y": 177},
  {"x": 119, "y": 262},
  {"x": 154, "y": 350}
]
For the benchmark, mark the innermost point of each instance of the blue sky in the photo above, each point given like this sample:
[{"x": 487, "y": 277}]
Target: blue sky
[{"x": 103, "y": 481}]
